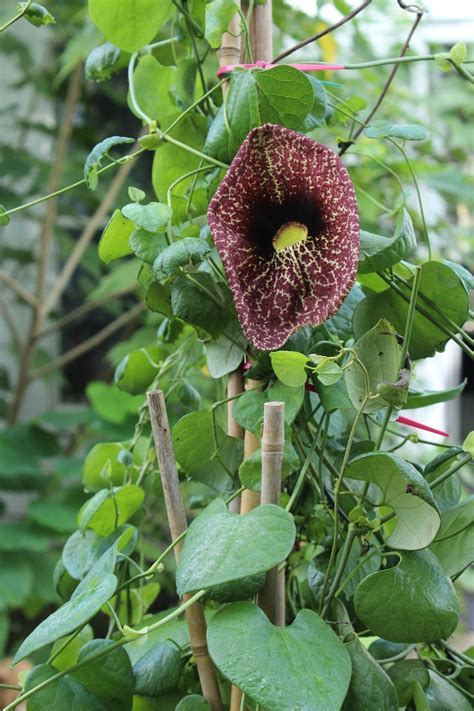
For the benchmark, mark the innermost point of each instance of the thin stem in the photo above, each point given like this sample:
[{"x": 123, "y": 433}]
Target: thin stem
[
  {"x": 465, "y": 459},
  {"x": 18, "y": 16},
  {"x": 193, "y": 106},
  {"x": 131, "y": 88},
  {"x": 301, "y": 476},
  {"x": 346, "y": 551},
  {"x": 396, "y": 657},
  {"x": 386, "y": 86},
  {"x": 17, "y": 288},
  {"x": 418, "y": 193},
  {"x": 463, "y": 657},
  {"x": 324, "y": 32}
]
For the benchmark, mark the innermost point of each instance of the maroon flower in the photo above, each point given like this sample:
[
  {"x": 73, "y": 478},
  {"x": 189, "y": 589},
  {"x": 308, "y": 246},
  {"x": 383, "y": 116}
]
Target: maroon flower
[{"x": 286, "y": 225}]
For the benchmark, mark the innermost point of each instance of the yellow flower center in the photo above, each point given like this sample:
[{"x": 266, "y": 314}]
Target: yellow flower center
[{"x": 290, "y": 233}]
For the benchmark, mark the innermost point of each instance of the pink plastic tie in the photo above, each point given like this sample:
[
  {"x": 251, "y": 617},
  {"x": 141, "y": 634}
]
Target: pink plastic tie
[
  {"x": 228, "y": 68},
  {"x": 420, "y": 426}
]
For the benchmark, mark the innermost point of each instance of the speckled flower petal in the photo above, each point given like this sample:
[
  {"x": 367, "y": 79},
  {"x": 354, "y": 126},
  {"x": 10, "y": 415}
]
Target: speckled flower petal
[{"x": 280, "y": 176}]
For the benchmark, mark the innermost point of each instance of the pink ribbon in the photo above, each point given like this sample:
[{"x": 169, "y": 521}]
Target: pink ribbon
[{"x": 228, "y": 68}]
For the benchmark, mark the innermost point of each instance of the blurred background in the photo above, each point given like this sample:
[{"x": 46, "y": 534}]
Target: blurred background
[{"x": 57, "y": 395}]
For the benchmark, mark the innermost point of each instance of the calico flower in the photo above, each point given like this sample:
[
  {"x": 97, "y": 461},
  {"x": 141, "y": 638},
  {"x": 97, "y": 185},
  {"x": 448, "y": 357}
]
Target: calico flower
[{"x": 286, "y": 225}]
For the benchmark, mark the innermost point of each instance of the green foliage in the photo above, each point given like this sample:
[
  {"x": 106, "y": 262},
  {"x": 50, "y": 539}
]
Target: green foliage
[
  {"x": 96, "y": 156},
  {"x": 129, "y": 26}
]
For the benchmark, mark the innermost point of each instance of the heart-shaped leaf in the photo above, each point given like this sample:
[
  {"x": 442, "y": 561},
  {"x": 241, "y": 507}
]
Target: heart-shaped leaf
[
  {"x": 114, "y": 242},
  {"x": 370, "y": 687},
  {"x": 378, "y": 363},
  {"x": 95, "y": 687},
  {"x": 186, "y": 252},
  {"x": 70, "y": 616},
  {"x": 248, "y": 409},
  {"x": 221, "y": 546},
  {"x": 301, "y": 667},
  {"x": 290, "y": 367},
  {"x": 378, "y": 253},
  {"x": 406, "y": 492},
  {"x": 412, "y": 602}
]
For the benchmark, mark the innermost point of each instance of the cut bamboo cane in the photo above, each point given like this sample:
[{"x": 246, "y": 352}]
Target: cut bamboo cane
[
  {"x": 230, "y": 49},
  {"x": 250, "y": 499},
  {"x": 271, "y": 598},
  {"x": 235, "y": 385},
  {"x": 178, "y": 524}
]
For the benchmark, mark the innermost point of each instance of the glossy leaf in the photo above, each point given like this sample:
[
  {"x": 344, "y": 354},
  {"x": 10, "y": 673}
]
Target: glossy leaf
[
  {"x": 210, "y": 557},
  {"x": 154, "y": 83},
  {"x": 71, "y": 615},
  {"x": 195, "y": 450},
  {"x": 454, "y": 544},
  {"x": 97, "y": 155},
  {"x": 370, "y": 686},
  {"x": 185, "y": 252},
  {"x": 138, "y": 370},
  {"x": 379, "y": 352},
  {"x": 95, "y": 686},
  {"x": 447, "y": 494},
  {"x": 219, "y": 13},
  {"x": 290, "y": 367},
  {"x": 114, "y": 242},
  {"x": 248, "y": 409},
  {"x": 419, "y": 601},
  {"x": 129, "y": 25},
  {"x": 403, "y": 674},
  {"x": 152, "y": 217},
  {"x": 103, "y": 62},
  {"x": 378, "y": 253},
  {"x": 303, "y": 666},
  {"x": 405, "y": 131},
  {"x": 441, "y": 695},
  {"x": 406, "y": 492},
  {"x": 426, "y": 338},
  {"x": 432, "y": 397}
]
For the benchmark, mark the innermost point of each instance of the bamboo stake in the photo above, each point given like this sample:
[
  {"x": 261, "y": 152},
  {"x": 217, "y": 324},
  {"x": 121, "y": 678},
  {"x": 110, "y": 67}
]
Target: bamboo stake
[
  {"x": 178, "y": 524},
  {"x": 250, "y": 499},
  {"x": 235, "y": 385},
  {"x": 230, "y": 49},
  {"x": 271, "y": 598}
]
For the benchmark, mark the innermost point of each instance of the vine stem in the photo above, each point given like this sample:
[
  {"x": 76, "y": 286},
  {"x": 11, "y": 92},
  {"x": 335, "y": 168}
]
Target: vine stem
[
  {"x": 17, "y": 17},
  {"x": 403, "y": 355},
  {"x": 387, "y": 84},
  {"x": 346, "y": 551},
  {"x": 465, "y": 459}
]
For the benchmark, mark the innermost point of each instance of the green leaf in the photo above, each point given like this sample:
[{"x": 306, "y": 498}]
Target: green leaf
[
  {"x": 57, "y": 510},
  {"x": 129, "y": 25},
  {"x": 97, "y": 155},
  {"x": 171, "y": 163},
  {"x": 4, "y": 219},
  {"x": 458, "y": 53},
  {"x": 70, "y": 652},
  {"x": 406, "y": 492},
  {"x": 122, "y": 277},
  {"x": 114, "y": 242},
  {"x": 152, "y": 217},
  {"x": 185, "y": 252},
  {"x": 454, "y": 543},
  {"x": 224, "y": 355},
  {"x": 432, "y": 397},
  {"x": 71, "y": 615},
  {"x": 426, "y": 339},
  {"x": 103, "y": 464},
  {"x": 281, "y": 95},
  {"x": 403, "y": 674},
  {"x": 146, "y": 245},
  {"x": 94, "y": 686},
  {"x": 219, "y": 13},
  {"x": 420, "y": 604},
  {"x": 441, "y": 695},
  {"x": 82, "y": 551},
  {"x": 16, "y": 580},
  {"x": 248, "y": 409},
  {"x": 379, "y": 352},
  {"x": 318, "y": 113},
  {"x": 37, "y": 14},
  {"x": 378, "y": 253},
  {"x": 23, "y": 536},
  {"x": 303, "y": 666},
  {"x": 290, "y": 367},
  {"x": 210, "y": 557},
  {"x": 448, "y": 493},
  {"x": 242, "y": 589},
  {"x": 138, "y": 370},
  {"x": 340, "y": 325},
  {"x": 386, "y": 129},
  {"x": 194, "y": 702},
  {"x": 442, "y": 60},
  {"x": 329, "y": 373},
  {"x": 199, "y": 301},
  {"x": 103, "y": 62},
  {"x": 153, "y": 83},
  {"x": 158, "y": 299},
  {"x": 370, "y": 687},
  {"x": 468, "y": 444},
  {"x": 250, "y": 471},
  {"x": 111, "y": 404},
  {"x": 195, "y": 450},
  {"x": 107, "y": 510}
]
